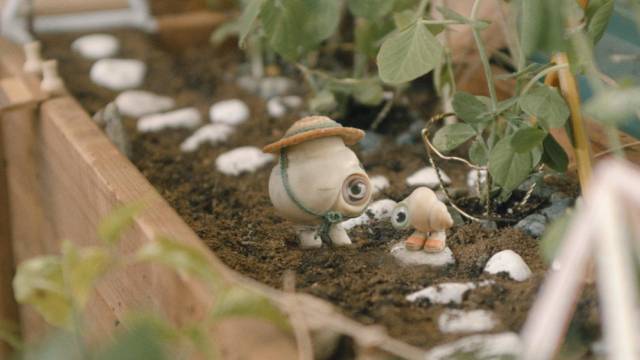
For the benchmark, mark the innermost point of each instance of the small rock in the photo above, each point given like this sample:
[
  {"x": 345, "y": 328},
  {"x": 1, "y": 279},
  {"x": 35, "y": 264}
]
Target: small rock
[
  {"x": 96, "y": 46},
  {"x": 511, "y": 263},
  {"x": 211, "y": 134},
  {"x": 248, "y": 83},
  {"x": 246, "y": 159},
  {"x": 558, "y": 196},
  {"x": 371, "y": 142},
  {"x": 231, "y": 112},
  {"x": 427, "y": 177},
  {"x": 476, "y": 178},
  {"x": 186, "y": 118},
  {"x": 532, "y": 225},
  {"x": 446, "y": 293},
  {"x": 137, "y": 103},
  {"x": 118, "y": 74},
  {"x": 377, "y": 210},
  {"x": 480, "y": 347},
  {"x": 412, "y": 134},
  {"x": 489, "y": 224},
  {"x": 379, "y": 183},
  {"x": 275, "y": 86},
  {"x": 407, "y": 257},
  {"x": 460, "y": 321},
  {"x": 557, "y": 209},
  {"x": 279, "y": 106}
]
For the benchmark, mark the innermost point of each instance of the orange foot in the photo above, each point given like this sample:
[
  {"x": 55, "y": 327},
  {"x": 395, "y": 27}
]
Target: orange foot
[
  {"x": 434, "y": 246},
  {"x": 415, "y": 242}
]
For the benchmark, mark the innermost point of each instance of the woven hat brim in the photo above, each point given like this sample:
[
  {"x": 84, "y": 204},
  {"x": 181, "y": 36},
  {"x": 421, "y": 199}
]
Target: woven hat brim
[{"x": 350, "y": 136}]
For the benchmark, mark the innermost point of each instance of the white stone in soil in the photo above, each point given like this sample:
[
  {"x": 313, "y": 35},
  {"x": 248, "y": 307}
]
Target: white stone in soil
[
  {"x": 408, "y": 257},
  {"x": 379, "y": 183},
  {"x": 275, "y": 86},
  {"x": 96, "y": 46},
  {"x": 462, "y": 321},
  {"x": 377, "y": 210},
  {"x": 246, "y": 159},
  {"x": 186, "y": 118},
  {"x": 476, "y": 177},
  {"x": 231, "y": 112},
  {"x": 511, "y": 263},
  {"x": 427, "y": 177},
  {"x": 446, "y": 293},
  {"x": 211, "y": 134},
  {"x": 479, "y": 347},
  {"x": 275, "y": 108},
  {"x": 118, "y": 74},
  {"x": 137, "y": 103}
]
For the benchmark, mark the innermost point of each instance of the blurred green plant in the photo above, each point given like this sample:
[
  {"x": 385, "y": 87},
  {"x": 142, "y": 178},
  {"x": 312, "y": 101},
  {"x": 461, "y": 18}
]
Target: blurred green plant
[{"x": 59, "y": 287}]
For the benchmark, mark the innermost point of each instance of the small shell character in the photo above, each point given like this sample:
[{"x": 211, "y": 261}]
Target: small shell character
[
  {"x": 428, "y": 216},
  {"x": 318, "y": 181}
]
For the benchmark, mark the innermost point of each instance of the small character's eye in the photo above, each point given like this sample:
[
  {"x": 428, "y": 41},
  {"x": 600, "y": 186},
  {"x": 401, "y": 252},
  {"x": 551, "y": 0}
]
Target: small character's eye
[
  {"x": 355, "y": 190},
  {"x": 400, "y": 216}
]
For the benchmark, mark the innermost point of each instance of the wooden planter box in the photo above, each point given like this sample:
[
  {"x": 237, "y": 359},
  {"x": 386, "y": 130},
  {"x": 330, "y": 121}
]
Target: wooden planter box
[{"x": 59, "y": 177}]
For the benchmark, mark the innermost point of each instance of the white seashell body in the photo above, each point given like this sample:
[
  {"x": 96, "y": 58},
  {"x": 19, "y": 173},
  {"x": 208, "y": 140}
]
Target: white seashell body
[
  {"x": 316, "y": 171},
  {"x": 426, "y": 212}
]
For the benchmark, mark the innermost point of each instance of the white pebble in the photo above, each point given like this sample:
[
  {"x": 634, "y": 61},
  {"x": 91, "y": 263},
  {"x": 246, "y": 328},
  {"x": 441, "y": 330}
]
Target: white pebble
[
  {"x": 476, "y": 178},
  {"x": 242, "y": 159},
  {"x": 275, "y": 86},
  {"x": 211, "y": 134},
  {"x": 460, "y": 321},
  {"x": 231, "y": 112},
  {"x": 278, "y": 106},
  {"x": 408, "y": 257},
  {"x": 446, "y": 293},
  {"x": 184, "y": 118},
  {"x": 137, "y": 103},
  {"x": 511, "y": 263},
  {"x": 427, "y": 177},
  {"x": 96, "y": 46},
  {"x": 379, "y": 183},
  {"x": 118, "y": 74},
  {"x": 377, "y": 210},
  {"x": 491, "y": 346}
]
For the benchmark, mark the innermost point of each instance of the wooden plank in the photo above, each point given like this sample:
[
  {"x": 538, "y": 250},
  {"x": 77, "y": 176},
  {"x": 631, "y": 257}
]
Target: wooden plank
[
  {"x": 57, "y": 7},
  {"x": 63, "y": 176},
  {"x": 186, "y": 30}
]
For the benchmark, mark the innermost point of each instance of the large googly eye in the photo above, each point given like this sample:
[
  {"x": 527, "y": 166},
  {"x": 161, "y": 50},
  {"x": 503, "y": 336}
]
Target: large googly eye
[
  {"x": 355, "y": 190},
  {"x": 400, "y": 216}
]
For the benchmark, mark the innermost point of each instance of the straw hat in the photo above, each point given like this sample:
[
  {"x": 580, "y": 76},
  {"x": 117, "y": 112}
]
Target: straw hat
[{"x": 314, "y": 127}]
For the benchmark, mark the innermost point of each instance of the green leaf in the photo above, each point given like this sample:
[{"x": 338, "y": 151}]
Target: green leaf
[
  {"x": 598, "y": 13},
  {"x": 507, "y": 167},
  {"x": 478, "y": 153},
  {"x": 224, "y": 32},
  {"x": 324, "y": 102},
  {"x": 408, "y": 54},
  {"x": 451, "y": 136},
  {"x": 614, "y": 106},
  {"x": 369, "y": 35},
  {"x": 184, "y": 259},
  {"x": 368, "y": 92},
  {"x": 449, "y": 14},
  {"x": 553, "y": 236},
  {"x": 142, "y": 340},
  {"x": 554, "y": 155},
  {"x": 113, "y": 225},
  {"x": 526, "y": 139},
  {"x": 469, "y": 108},
  {"x": 294, "y": 27},
  {"x": 248, "y": 18},
  {"x": 370, "y": 9},
  {"x": 39, "y": 282},
  {"x": 240, "y": 302},
  {"x": 82, "y": 268},
  {"x": 542, "y": 26},
  {"x": 547, "y": 105},
  {"x": 404, "y": 19}
]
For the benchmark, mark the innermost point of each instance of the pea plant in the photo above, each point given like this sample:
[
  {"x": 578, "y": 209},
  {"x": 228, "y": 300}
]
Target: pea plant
[{"x": 59, "y": 287}]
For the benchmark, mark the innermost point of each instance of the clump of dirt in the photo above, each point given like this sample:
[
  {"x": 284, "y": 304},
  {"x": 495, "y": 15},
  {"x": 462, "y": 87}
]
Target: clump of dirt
[{"x": 234, "y": 217}]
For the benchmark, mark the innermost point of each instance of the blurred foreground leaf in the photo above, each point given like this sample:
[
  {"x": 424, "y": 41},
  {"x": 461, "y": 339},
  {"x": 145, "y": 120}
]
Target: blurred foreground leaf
[
  {"x": 113, "y": 225},
  {"x": 238, "y": 301}
]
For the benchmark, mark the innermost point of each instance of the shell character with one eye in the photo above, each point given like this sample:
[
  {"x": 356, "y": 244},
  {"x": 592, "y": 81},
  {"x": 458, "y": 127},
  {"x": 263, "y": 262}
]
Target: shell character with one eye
[
  {"x": 318, "y": 181},
  {"x": 429, "y": 217}
]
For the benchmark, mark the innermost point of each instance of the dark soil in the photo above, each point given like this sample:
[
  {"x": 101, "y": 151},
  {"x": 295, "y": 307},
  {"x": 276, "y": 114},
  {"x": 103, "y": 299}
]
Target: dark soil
[{"x": 234, "y": 217}]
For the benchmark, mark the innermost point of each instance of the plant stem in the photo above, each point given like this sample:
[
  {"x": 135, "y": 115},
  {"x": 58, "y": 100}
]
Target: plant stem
[
  {"x": 483, "y": 58},
  {"x": 540, "y": 75},
  {"x": 441, "y": 22},
  {"x": 422, "y": 7}
]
